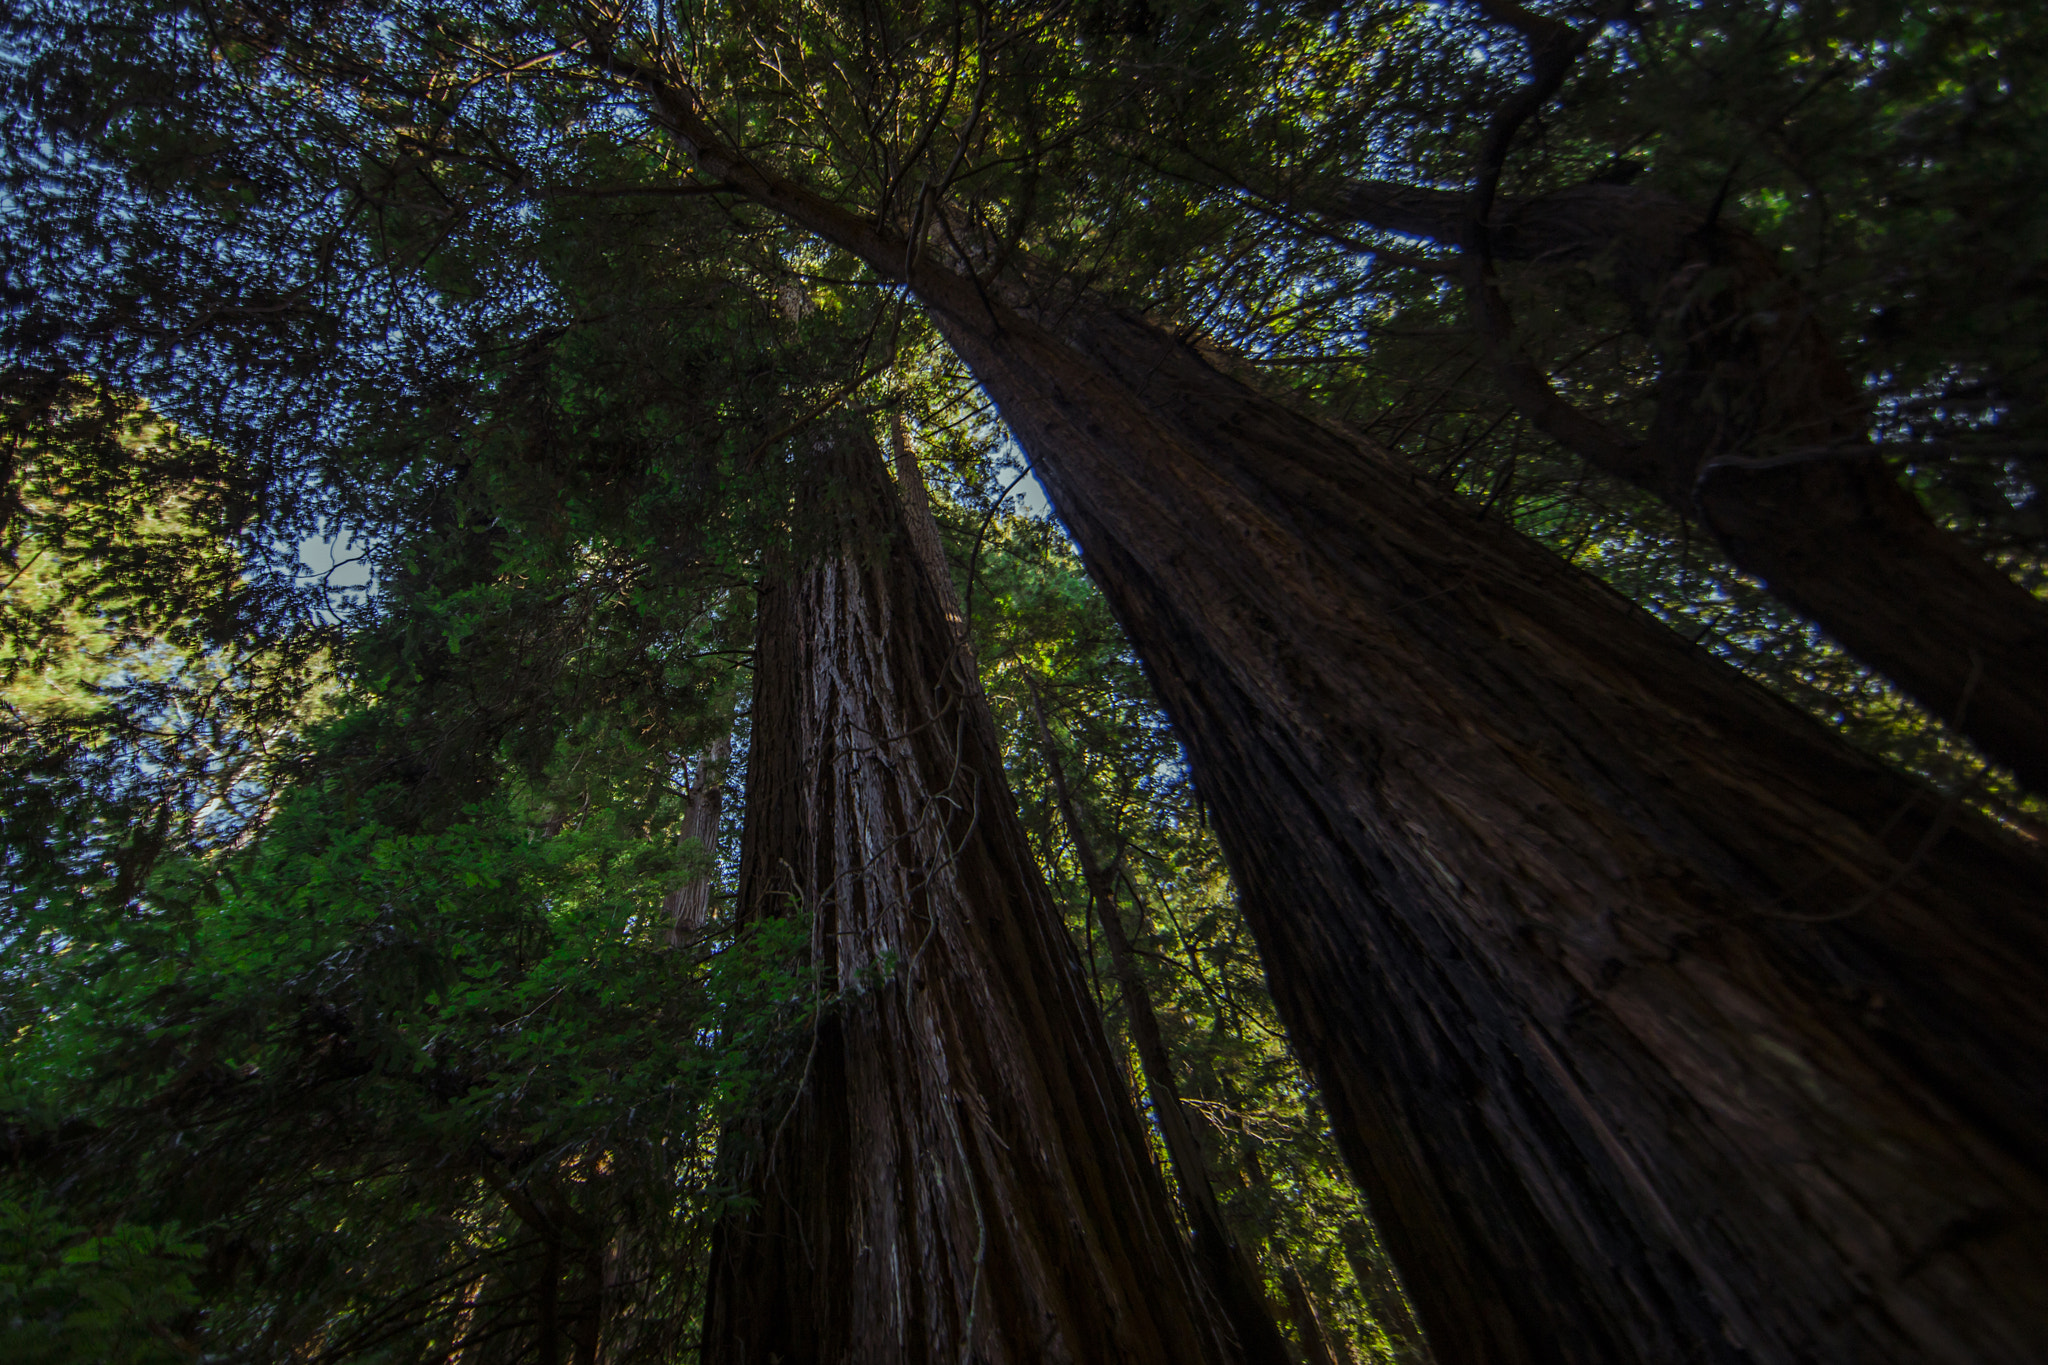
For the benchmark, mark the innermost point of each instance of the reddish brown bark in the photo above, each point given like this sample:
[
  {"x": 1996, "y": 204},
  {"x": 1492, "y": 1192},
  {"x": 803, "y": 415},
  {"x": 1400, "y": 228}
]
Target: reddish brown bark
[
  {"x": 1657, "y": 1024},
  {"x": 1760, "y": 437},
  {"x": 960, "y": 1174}
]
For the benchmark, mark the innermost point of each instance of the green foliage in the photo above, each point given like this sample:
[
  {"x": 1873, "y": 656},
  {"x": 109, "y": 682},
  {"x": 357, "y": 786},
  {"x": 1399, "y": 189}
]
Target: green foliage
[
  {"x": 413, "y": 1060},
  {"x": 1875, "y": 150},
  {"x": 118, "y": 531},
  {"x": 382, "y": 1077},
  {"x": 68, "y": 1297},
  {"x": 1039, "y": 623},
  {"x": 145, "y": 708}
]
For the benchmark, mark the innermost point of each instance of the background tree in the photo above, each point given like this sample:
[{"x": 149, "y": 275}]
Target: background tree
[
  {"x": 432, "y": 1003},
  {"x": 407, "y": 1068},
  {"x": 956, "y": 1171}
]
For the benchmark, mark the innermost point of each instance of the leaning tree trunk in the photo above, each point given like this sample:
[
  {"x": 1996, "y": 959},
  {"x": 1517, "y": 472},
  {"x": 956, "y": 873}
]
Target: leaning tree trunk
[
  {"x": 1228, "y": 1276},
  {"x": 960, "y": 1175},
  {"x": 1761, "y": 437},
  {"x": 1317, "y": 1346},
  {"x": 1657, "y": 1024}
]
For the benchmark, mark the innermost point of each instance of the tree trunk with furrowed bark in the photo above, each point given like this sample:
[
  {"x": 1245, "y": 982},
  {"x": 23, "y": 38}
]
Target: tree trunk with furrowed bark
[
  {"x": 1229, "y": 1276},
  {"x": 1760, "y": 436},
  {"x": 959, "y": 1174},
  {"x": 1217, "y": 1253},
  {"x": 688, "y": 907},
  {"x": 1657, "y": 1024}
]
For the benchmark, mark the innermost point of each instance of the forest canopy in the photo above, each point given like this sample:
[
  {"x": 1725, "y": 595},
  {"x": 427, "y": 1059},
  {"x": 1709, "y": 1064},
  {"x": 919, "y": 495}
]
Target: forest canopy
[{"x": 1156, "y": 680}]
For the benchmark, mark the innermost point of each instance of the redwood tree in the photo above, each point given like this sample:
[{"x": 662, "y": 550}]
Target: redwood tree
[
  {"x": 958, "y": 1173},
  {"x": 1657, "y": 1023},
  {"x": 688, "y": 907}
]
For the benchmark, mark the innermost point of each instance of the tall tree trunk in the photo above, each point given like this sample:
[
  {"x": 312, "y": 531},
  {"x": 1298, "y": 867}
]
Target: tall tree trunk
[
  {"x": 1317, "y": 1346},
  {"x": 1656, "y": 1023},
  {"x": 688, "y": 907},
  {"x": 1385, "y": 1300},
  {"x": 1760, "y": 436},
  {"x": 923, "y": 530},
  {"x": 1218, "y": 1254},
  {"x": 960, "y": 1175},
  {"x": 1384, "y": 1295}
]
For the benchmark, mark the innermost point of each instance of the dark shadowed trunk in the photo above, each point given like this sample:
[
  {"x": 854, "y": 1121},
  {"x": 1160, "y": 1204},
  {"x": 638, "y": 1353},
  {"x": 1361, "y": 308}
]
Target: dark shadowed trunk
[
  {"x": 1657, "y": 1024},
  {"x": 566, "y": 1295},
  {"x": 960, "y": 1175},
  {"x": 688, "y": 907},
  {"x": 1761, "y": 437},
  {"x": 1218, "y": 1254}
]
